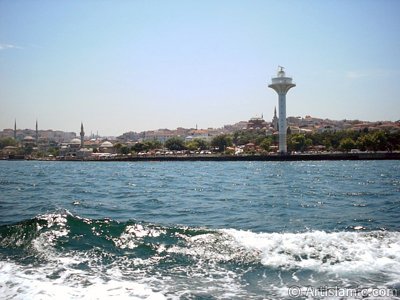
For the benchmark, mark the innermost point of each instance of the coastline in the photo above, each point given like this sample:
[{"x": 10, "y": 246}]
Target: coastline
[
  {"x": 289, "y": 157},
  {"x": 292, "y": 157}
]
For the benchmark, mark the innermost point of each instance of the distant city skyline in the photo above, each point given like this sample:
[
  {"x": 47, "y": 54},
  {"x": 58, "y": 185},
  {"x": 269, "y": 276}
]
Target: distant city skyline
[
  {"x": 120, "y": 66},
  {"x": 292, "y": 121}
]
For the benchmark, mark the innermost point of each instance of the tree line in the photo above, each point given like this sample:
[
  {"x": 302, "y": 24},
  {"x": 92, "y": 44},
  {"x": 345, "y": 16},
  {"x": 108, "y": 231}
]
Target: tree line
[{"x": 344, "y": 140}]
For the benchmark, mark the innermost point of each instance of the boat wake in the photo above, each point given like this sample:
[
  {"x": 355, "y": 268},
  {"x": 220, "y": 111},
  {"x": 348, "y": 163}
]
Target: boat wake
[{"x": 69, "y": 257}]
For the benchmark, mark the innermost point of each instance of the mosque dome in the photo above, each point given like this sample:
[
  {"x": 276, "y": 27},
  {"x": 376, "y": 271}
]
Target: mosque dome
[
  {"x": 28, "y": 138},
  {"x": 75, "y": 141},
  {"x": 106, "y": 144}
]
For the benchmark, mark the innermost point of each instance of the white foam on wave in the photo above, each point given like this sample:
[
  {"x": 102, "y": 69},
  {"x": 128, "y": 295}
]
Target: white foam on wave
[
  {"x": 133, "y": 234},
  {"x": 201, "y": 264},
  {"x": 59, "y": 275},
  {"x": 18, "y": 282},
  {"x": 335, "y": 252}
]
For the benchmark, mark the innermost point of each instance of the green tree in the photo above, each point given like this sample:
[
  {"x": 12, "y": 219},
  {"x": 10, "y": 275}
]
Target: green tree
[
  {"x": 28, "y": 150},
  {"x": 175, "y": 144},
  {"x": 118, "y": 147},
  {"x": 366, "y": 142},
  {"x": 152, "y": 145},
  {"x": 346, "y": 144},
  {"x": 53, "y": 151},
  {"x": 308, "y": 143},
  {"x": 380, "y": 141},
  {"x": 146, "y": 146},
  {"x": 220, "y": 142},
  {"x": 139, "y": 147},
  {"x": 191, "y": 145},
  {"x": 197, "y": 144},
  {"x": 124, "y": 150},
  {"x": 297, "y": 142},
  {"x": 393, "y": 141},
  {"x": 40, "y": 154},
  {"x": 243, "y": 137},
  {"x": 7, "y": 141},
  {"x": 202, "y": 144},
  {"x": 266, "y": 144}
]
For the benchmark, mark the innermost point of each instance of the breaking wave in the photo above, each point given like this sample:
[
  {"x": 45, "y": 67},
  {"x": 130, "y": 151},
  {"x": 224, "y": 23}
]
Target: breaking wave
[{"x": 69, "y": 257}]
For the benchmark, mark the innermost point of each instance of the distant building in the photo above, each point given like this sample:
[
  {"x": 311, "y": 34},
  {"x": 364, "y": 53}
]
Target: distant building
[
  {"x": 160, "y": 135},
  {"x": 198, "y": 134},
  {"x": 28, "y": 141},
  {"x": 257, "y": 124},
  {"x": 71, "y": 148},
  {"x": 242, "y": 125},
  {"x": 75, "y": 147},
  {"x": 130, "y": 137},
  {"x": 107, "y": 147},
  {"x": 84, "y": 153},
  {"x": 9, "y": 150}
]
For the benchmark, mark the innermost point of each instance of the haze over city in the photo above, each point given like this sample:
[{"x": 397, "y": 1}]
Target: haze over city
[{"x": 139, "y": 65}]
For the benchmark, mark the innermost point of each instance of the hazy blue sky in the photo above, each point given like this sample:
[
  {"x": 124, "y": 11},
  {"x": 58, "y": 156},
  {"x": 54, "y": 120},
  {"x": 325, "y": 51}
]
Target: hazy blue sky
[{"x": 138, "y": 65}]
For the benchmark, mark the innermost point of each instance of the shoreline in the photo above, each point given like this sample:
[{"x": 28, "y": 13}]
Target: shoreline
[{"x": 289, "y": 157}]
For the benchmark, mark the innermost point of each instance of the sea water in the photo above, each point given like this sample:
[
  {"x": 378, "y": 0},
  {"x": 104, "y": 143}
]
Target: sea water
[{"x": 200, "y": 230}]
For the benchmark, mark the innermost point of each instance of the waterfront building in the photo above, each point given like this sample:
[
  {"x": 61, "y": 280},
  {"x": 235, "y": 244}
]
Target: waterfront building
[
  {"x": 75, "y": 147},
  {"x": 9, "y": 150},
  {"x": 71, "y": 148},
  {"x": 84, "y": 153},
  {"x": 282, "y": 84},
  {"x": 28, "y": 141},
  {"x": 107, "y": 147}
]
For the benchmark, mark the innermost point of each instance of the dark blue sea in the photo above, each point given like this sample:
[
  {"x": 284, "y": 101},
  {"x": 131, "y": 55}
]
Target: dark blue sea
[{"x": 200, "y": 230}]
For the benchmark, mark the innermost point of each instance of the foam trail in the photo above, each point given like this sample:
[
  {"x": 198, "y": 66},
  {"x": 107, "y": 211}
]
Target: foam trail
[{"x": 336, "y": 252}]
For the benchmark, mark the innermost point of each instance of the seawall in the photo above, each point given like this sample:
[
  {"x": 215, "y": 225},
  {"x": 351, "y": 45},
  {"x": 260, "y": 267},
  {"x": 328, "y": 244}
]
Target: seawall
[{"x": 292, "y": 157}]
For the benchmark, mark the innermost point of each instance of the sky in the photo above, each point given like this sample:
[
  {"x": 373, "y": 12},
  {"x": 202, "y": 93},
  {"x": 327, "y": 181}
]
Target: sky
[{"x": 120, "y": 66}]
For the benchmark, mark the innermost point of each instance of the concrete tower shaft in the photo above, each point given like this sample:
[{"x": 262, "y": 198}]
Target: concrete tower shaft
[{"x": 282, "y": 84}]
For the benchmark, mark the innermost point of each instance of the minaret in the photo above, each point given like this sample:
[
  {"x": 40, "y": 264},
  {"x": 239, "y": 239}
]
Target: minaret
[
  {"x": 82, "y": 135},
  {"x": 275, "y": 120},
  {"x": 15, "y": 129},
  {"x": 37, "y": 134},
  {"x": 282, "y": 84}
]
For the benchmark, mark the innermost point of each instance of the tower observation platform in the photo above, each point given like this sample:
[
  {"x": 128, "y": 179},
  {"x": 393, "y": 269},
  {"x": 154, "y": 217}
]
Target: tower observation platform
[{"x": 282, "y": 84}]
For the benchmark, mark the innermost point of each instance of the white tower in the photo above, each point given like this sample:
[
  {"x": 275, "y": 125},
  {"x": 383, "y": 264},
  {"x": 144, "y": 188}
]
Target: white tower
[{"x": 282, "y": 84}]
